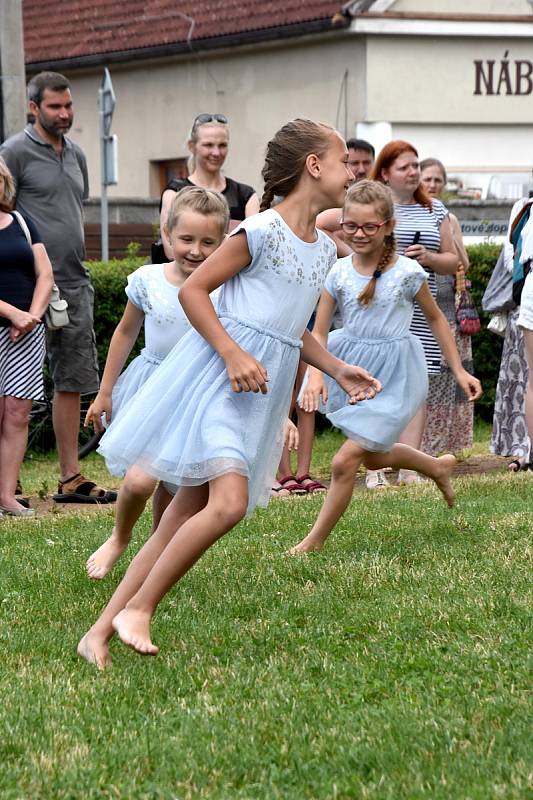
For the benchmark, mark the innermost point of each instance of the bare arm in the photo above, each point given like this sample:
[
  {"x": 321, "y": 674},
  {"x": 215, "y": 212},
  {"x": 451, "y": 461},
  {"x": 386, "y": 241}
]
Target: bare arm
[
  {"x": 442, "y": 333},
  {"x": 329, "y": 222},
  {"x": 44, "y": 282},
  {"x": 166, "y": 202},
  {"x": 444, "y": 262},
  {"x": 120, "y": 347},
  {"x": 252, "y": 206},
  {"x": 458, "y": 242},
  {"x": 244, "y": 371}
]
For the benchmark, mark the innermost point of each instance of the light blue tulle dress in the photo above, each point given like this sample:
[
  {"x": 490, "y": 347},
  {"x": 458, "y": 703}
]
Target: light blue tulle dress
[
  {"x": 185, "y": 425},
  {"x": 165, "y": 323},
  {"x": 377, "y": 338}
]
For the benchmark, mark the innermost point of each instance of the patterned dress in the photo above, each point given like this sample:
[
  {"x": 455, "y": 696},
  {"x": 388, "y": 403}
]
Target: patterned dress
[{"x": 186, "y": 425}]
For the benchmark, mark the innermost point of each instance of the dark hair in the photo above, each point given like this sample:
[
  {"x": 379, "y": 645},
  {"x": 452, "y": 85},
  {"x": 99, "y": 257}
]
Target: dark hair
[
  {"x": 53, "y": 81},
  {"x": 366, "y": 193},
  {"x": 286, "y": 154},
  {"x": 388, "y": 156},
  {"x": 434, "y": 162},
  {"x": 361, "y": 144},
  {"x": 204, "y": 201}
]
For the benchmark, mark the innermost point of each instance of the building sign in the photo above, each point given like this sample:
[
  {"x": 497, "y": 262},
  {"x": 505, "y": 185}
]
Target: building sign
[
  {"x": 484, "y": 227},
  {"x": 507, "y": 76}
]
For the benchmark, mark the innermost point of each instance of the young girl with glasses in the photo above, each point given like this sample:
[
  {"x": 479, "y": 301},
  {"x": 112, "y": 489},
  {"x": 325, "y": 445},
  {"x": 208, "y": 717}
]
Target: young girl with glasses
[
  {"x": 375, "y": 290},
  {"x": 210, "y": 419}
]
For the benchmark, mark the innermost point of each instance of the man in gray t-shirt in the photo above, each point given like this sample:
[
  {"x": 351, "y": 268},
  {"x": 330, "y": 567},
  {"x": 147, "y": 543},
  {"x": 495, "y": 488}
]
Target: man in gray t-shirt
[{"x": 50, "y": 174}]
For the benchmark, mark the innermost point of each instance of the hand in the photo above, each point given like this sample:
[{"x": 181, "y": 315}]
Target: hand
[
  {"x": 292, "y": 437},
  {"x": 470, "y": 385},
  {"x": 102, "y": 404},
  {"x": 314, "y": 389},
  {"x": 246, "y": 374},
  {"x": 357, "y": 383},
  {"x": 22, "y": 322},
  {"x": 419, "y": 253}
]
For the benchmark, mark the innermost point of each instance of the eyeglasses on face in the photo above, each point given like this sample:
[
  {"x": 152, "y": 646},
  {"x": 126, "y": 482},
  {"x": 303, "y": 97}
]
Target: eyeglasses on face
[
  {"x": 203, "y": 119},
  {"x": 369, "y": 228}
]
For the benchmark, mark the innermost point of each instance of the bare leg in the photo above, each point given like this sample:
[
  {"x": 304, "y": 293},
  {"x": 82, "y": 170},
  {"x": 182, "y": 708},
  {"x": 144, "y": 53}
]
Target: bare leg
[
  {"x": 285, "y": 467},
  {"x": 402, "y": 456},
  {"x": 131, "y": 501},
  {"x": 161, "y": 500},
  {"x": 306, "y": 430},
  {"x": 13, "y": 440},
  {"x": 528, "y": 346},
  {"x": 226, "y": 506},
  {"x": 344, "y": 468},
  {"x": 93, "y": 647},
  {"x": 66, "y": 421},
  {"x": 412, "y": 435}
]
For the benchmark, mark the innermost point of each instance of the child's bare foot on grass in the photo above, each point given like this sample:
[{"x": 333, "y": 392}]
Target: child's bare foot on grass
[
  {"x": 133, "y": 628},
  {"x": 443, "y": 478},
  {"x": 307, "y": 545},
  {"x": 104, "y": 559},
  {"x": 94, "y": 651}
]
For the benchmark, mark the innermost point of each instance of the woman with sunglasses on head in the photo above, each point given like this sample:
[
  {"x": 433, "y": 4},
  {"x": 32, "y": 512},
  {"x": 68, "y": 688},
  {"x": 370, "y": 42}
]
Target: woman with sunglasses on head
[
  {"x": 424, "y": 233},
  {"x": 208, "y": 146}
]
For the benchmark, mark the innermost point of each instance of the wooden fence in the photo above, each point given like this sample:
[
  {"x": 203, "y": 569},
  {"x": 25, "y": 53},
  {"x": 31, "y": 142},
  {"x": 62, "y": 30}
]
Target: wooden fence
[{"x": 120, "y": 235}]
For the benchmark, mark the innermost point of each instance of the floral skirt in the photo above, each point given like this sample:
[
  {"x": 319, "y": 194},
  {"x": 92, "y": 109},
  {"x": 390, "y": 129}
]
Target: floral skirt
[
  {"x": 509, "y": 430},
  {"x": 450, "y": 417}
]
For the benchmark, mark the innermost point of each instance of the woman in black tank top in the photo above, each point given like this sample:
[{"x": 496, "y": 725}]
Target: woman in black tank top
[{"x": 208, "y": 145}]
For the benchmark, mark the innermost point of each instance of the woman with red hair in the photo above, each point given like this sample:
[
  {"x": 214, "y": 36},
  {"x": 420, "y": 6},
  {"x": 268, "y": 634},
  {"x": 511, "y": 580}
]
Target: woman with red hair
[{"x": 423, "y": 232}]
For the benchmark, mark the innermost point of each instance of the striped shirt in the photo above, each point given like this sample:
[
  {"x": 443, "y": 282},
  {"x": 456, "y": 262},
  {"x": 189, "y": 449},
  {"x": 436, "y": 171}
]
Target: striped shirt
[{"x": 410, "y": 218}]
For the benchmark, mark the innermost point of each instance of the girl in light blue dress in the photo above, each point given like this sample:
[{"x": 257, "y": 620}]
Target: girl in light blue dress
[
  {"x": 210, "y": 418},
  {"x": 196, "y": 226},
  {"x": 375, "y": 290}
]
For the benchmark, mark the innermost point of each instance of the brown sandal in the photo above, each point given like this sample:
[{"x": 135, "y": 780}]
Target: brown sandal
[{"x": 79, "y": 489}]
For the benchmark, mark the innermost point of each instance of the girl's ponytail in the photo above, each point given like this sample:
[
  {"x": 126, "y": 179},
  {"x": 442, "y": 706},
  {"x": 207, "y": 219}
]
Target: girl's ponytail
[
  {"x": 267, "y": 198},
  {"x": 389, "y": 250}
]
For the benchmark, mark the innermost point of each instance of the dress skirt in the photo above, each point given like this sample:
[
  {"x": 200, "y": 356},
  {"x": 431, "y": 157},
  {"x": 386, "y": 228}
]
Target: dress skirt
[
  {"x": 186, "y": 426},
  {"x": 21, "y": 364},
  {"x": 128, "y": 384},
  {"x": 400, "y": 365}
]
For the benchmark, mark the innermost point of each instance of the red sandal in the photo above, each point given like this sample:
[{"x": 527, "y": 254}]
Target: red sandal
[
  {"x": 310, "y": 485},
  {"x": 289, "y": 482}
]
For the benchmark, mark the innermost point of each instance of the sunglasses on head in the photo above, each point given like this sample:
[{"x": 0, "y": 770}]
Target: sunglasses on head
[{"x": 203, "y": 119}]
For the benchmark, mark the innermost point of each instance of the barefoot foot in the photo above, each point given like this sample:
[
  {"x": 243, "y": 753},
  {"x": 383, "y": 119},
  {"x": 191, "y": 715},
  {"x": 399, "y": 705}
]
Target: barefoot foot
[
  {"x": 94, "y": 651},
  {"x": 104, "y": 559},
  {"x": 443, "y": 478},
  {"x": 133, "y": 628},
  {"x": 307, "y": 545}
]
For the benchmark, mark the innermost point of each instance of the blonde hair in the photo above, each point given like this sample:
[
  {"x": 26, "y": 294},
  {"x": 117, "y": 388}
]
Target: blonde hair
[
  {"x": 366, "y": 193},
  {"x": 203, "y": 201},
  {"x": 8, "y": 194},
  {"x": 286, "y": 154},
  {"x": 193, "y": 139}
]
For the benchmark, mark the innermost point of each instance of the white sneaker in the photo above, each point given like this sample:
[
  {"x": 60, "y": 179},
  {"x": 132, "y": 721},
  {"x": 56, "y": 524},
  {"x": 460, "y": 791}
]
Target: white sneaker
[
  {"x": 408, "y": 476},
  {"x": 375, "y": 479}
]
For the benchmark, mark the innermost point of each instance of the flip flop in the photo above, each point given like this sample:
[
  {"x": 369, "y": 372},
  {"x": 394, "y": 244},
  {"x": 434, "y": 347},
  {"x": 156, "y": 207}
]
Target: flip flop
[{"x": 516, "y": 465}]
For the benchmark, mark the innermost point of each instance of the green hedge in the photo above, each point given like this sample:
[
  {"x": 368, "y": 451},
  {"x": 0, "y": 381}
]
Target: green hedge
[
  {"x": 486, "y": 346},
  {"x": 109, "y": 279}
]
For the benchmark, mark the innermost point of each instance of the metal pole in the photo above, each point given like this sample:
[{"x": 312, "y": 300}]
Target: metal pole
[{"x": 104, "y": 215}]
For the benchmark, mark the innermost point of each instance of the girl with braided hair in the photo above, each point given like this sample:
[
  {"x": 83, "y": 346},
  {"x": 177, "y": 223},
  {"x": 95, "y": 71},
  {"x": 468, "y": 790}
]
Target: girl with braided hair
[
  {"x": 210, "y": 418},
  {"x": 375, "y": 290}
]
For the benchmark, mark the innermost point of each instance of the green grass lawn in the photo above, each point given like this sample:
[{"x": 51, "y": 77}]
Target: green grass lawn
[{"x": 392, "y": 665}]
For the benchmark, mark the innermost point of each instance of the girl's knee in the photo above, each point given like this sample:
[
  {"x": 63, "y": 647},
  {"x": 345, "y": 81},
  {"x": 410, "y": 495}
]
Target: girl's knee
[
  {"x": 139, "y": 483},
  {"x": 230, "y": 510},
  {"x": 345, "y": 463}
]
